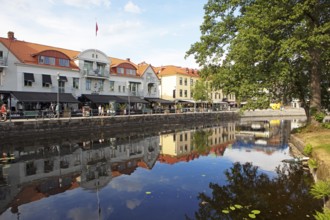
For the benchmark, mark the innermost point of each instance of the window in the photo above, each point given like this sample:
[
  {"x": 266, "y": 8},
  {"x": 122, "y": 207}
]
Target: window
[
  {"x": 185, "y": 93},
  {"x": 46, "y": 81},
  {"x": 75, "y": 83},
  {"x": 61, "y": 86},
  {"x": 27, "y": 83},
  {"x": 180, "y": 92},
  {"x": 185, "y": 82},
  {"x": 63, "y": 62},
  {"x": 101, "y": 84},
  {"x": 46, "y": 60},
  {"x": 112, "y": 86},
  {"x": 120, "y": 71},
  {"x": 88, "y": 84},
  {"x": 180, "y": 81},
  {"x": 119, "y": 88},
  {"x": 131, "y": 72},
  {"x": 28, "y": 79},
  {"x": 191, "y": 82},
  {"x": 1, "y": 54}
]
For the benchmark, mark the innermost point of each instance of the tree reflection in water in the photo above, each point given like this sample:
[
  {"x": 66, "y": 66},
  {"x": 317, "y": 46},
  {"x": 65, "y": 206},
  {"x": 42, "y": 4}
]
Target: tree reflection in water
[
  {"x": 201, "y": 140},
  {"x": 285, "y": 196}
]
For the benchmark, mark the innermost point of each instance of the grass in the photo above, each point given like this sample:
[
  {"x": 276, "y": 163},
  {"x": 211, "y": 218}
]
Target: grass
[{"x": 319, "y": 138}]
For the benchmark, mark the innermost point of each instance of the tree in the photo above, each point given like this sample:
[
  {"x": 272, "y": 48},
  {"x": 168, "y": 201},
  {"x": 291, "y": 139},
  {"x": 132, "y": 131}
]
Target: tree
[
  {"x": 267, "y": 51},
  {"x": 200, "y": 91}
]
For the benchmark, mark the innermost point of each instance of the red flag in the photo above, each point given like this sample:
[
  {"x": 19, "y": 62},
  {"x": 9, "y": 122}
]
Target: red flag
[{"x": 96, "y": 29}]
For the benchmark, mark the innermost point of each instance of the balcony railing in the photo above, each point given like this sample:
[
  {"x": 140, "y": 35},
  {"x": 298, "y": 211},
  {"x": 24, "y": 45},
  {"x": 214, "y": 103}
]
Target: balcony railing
[
  {"x": 135, "y": 93},
  {"x": 95, "y": 73},
  {"x": 3, "y": 62}
]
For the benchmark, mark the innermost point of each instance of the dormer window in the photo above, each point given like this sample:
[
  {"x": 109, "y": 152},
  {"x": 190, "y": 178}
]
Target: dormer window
[
  {"x": 64, "y": 62},
  {"x": 131, "y": 72},
  {"x": 120, "y": 70},
  {"x": 47, "y": 60}
]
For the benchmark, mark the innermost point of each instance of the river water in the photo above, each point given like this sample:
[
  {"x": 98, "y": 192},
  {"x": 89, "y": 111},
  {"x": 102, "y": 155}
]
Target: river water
[{"x": 230, "y": 171}]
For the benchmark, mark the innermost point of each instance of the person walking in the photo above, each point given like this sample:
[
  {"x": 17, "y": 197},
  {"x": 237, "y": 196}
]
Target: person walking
[
  {"x": 99, "y": 110},
  {"x": 3, "y": 112}
]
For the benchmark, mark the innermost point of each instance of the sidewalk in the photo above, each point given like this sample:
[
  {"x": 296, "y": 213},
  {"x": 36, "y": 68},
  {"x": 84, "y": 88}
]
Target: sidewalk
[{"x": 274, "y": 113}]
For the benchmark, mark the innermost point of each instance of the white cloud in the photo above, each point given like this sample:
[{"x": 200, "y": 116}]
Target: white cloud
[
  {"x": 87, "y": 3},
  {"x": 131, "y": 7},
  {"x": 126, "y": 185},
  {"x": 133, "y": 203},
  {"x": 71, "y": 24},
  {"x": 82, "y": 213}
]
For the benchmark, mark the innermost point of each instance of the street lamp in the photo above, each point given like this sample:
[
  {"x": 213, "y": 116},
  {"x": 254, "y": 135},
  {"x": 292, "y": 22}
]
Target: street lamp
[
  {"x": 58, "y": 96},
  {"x": 129, "y": 99}
]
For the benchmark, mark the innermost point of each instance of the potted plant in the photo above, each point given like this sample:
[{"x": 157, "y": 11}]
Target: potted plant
[{"x": 122, "y": 108}]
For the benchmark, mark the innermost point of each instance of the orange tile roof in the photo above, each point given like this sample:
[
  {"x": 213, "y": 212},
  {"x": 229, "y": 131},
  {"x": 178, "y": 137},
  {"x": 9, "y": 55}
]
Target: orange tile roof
[
  {"x": 176, "y": 70},
  {"x": 25, "y": 51},
  {"x": 142, "y": 67},
  {"x": 116, "y": 61}
]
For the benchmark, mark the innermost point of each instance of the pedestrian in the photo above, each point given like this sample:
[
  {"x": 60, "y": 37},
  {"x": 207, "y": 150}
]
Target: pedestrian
[
  {"x": 100, "y": 109},
  {"x": 3, "y": 112}
]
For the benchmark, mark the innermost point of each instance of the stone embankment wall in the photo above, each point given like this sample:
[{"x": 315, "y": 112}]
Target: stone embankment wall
[
  {"x": 323, "y": 170},
  {"x": 116, "y": 124}
]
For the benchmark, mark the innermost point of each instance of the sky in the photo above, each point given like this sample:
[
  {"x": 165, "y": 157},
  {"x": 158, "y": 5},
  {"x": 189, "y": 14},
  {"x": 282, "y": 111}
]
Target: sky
[{"x": 158, "y": 32}]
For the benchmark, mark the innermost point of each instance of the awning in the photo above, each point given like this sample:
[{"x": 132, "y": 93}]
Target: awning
[
  {"x": 46, "y": 79},
  {"x": 220, "y": 102},
  {"x": 44, "y": 97},
  {"x": 131, "y": 99},
  {"x": 187, "y": 101},
  {"x": 161, "y": 101},
  {"x": 63, "y": 78},
  {"x": 134, "y": 82},
  {"x": 29, "y": 77},
  {"x": 100, "y": 99}
]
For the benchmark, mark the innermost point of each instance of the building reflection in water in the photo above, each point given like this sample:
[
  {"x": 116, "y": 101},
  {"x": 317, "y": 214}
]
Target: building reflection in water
[
  {"x": 266, "y": 136},
  {"x": 42, "y": 170}
]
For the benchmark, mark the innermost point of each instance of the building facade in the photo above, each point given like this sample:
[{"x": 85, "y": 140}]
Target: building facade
[{"x": 36, "y": 77}]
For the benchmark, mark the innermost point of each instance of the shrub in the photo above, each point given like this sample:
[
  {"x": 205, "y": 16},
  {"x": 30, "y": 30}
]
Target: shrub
[
  {"x": 312, "y": 163},
  {"x": 308, "y": 149},
  {"x": 319, "y": 116},
  {"x": 323, "y": 216},
  {"x": 326, "y": 125}
]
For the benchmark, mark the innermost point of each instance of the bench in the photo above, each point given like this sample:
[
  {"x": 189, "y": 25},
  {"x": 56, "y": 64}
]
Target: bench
[{"x": 31, "y": 114}]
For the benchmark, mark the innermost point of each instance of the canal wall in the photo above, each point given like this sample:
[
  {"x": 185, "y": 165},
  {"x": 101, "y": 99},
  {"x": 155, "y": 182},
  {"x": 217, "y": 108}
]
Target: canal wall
[
  {"x": 323, "y": 168},
  {"x": 25, "y": 128}
]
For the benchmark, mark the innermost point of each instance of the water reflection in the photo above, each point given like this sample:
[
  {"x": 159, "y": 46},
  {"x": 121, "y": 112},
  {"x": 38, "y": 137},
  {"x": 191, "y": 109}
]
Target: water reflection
[
  {"x": 250, "y": 194},
  {"x": 138, "y": 176}
]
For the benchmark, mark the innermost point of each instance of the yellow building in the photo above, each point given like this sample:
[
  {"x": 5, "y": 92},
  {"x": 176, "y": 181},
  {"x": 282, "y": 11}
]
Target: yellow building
[{"x": 177, "y": 83}]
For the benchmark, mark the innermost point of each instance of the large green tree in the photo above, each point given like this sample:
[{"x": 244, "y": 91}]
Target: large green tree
[{"x": 265, "y": 51}]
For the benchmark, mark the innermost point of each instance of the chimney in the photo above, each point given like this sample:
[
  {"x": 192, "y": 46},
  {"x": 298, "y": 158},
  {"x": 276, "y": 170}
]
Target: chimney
[
  {"x": 10, "y": 35},
  {"x": 128, "y": 59}
]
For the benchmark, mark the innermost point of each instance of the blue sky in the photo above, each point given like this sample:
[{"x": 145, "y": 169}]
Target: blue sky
[{"x": 158, "y": 32}]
